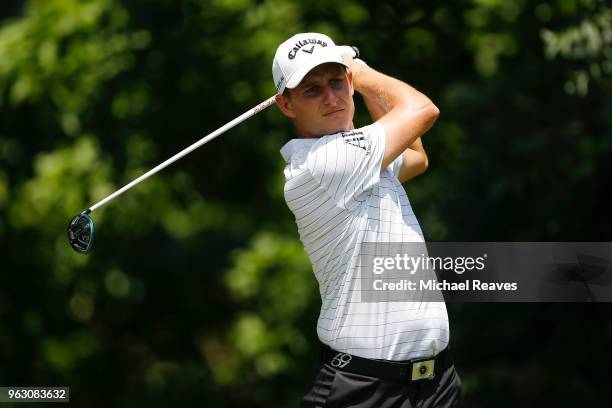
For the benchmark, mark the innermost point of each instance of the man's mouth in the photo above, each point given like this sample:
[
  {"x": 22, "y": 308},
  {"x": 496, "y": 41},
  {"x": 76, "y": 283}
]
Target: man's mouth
[{"x": 333, "y": 111}]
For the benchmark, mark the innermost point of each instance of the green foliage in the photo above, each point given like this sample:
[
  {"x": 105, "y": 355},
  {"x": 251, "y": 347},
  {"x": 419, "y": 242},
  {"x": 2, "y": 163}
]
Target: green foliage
[
  {"x": 273, "y": 281},
  {"x": 588, "y": 44},
  {"x": 64, "y": 52},
  {"x": 198, "y": 290}
]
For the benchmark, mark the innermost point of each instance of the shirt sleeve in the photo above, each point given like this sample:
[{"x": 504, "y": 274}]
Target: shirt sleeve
[{"x": 347, "y": 164}]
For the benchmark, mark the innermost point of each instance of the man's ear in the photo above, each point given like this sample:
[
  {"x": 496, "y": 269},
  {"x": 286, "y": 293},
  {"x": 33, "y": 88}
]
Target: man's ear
[
  {"x": 349, "y": 77},
  {"x": 284, "y": 104}
]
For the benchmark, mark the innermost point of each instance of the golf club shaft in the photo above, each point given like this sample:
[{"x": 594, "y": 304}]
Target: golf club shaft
[{"x": 263, "y": 105}]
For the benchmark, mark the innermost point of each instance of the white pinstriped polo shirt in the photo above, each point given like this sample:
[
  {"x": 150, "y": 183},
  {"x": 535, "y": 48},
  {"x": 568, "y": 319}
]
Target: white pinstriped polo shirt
[{"x": 340, "y": 198}]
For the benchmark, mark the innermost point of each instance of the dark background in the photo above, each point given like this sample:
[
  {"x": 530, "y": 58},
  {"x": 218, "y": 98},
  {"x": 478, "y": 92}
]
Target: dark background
[{"x": 198, "y": 290}]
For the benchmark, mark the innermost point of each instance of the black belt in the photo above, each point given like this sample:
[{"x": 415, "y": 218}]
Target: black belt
[{"x": 411, "y": 371}]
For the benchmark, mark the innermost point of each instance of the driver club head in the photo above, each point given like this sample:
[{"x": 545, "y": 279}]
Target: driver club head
[{"x": 81, "y": 232}]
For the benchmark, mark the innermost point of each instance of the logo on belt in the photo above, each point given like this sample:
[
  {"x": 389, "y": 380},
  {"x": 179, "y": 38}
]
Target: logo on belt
[
  {"x": 341, "y": 360},
  {"x": 423, "y": 370}
]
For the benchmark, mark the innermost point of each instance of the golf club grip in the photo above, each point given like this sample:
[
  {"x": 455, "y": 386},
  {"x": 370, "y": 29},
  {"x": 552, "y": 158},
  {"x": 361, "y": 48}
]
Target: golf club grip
[{"x": 263, "y": 105}]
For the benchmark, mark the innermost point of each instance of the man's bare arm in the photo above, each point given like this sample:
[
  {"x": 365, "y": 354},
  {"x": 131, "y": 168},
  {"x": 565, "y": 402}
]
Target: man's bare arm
[
  {"x": 415, "y": 159},
  {"x": 415, "y": 162},
  {"x": 405, "y": 113}
]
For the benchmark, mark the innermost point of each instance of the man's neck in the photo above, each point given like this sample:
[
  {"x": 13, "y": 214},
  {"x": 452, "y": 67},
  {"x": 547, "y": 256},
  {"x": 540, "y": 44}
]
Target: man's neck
[{"x": 304, "y": 134}]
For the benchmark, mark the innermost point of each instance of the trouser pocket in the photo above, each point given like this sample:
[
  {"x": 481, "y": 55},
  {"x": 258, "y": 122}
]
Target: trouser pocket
[{"x": 318, "y": 393}]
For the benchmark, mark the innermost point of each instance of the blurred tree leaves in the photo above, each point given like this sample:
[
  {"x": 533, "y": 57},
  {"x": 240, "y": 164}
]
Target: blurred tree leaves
[
  {"x": 198, "y": 289},
  {"x": 587, "y": 43},
  {"x": 64, "y": 51}
]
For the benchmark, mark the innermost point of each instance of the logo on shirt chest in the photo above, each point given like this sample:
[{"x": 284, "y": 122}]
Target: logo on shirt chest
[{"x": 357, "y": 138}]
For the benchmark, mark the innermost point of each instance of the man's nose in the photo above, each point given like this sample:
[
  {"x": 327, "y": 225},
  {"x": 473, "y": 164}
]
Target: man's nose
[{"x": 329, "y": 97}]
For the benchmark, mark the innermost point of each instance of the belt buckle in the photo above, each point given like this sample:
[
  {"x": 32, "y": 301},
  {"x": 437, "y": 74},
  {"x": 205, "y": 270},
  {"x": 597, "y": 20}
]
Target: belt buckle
[{"x": 423, "y": 369}]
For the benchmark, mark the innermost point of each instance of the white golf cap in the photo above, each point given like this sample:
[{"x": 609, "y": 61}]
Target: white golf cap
[{"x": 298, "y": 55}]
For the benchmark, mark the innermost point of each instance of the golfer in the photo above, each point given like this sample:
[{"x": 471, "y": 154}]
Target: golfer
[{"x": 344, "y": 187}]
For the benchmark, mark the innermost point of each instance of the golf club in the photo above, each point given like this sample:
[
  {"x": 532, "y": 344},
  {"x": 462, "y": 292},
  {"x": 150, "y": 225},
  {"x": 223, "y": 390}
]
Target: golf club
[{"x": 81, "y": 227}]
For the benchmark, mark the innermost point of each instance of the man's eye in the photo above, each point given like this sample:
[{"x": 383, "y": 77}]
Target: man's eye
[
  {"x": 312, "y": 90},
  {"x": 335, "y": 83}
]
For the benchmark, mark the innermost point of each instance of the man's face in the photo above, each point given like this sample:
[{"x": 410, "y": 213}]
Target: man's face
[{"x": 322, "y": 103}]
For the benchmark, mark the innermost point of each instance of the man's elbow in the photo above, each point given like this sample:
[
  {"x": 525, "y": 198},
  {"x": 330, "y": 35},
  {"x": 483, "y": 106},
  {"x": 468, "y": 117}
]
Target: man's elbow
[
  {"x": 431, "y": 114},
  {"x": 415, "y": 164},
  {"x": 423, "y": 117},
  {"x": 423, "y": 164}
]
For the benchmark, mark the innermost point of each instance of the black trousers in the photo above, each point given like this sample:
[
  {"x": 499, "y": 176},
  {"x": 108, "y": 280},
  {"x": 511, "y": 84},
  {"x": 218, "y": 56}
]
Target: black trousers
[{"x": 333, "y": 388}]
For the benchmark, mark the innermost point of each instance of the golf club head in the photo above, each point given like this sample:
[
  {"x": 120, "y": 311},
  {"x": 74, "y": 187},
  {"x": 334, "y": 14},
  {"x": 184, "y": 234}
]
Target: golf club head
[{"x": 81, "y": 232}]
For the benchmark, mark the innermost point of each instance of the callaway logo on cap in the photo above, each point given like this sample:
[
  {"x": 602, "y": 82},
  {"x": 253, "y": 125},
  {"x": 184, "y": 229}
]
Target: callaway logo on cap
[{"x": 298, "y": 55}]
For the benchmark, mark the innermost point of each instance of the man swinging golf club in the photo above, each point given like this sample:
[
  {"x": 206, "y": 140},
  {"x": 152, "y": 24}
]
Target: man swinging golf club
[{"x": 344, "y": 187}]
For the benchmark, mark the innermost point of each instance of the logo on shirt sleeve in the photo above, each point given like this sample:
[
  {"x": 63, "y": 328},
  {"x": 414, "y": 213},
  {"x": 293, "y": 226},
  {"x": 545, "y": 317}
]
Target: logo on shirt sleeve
[{"x": 358, "y": 139}]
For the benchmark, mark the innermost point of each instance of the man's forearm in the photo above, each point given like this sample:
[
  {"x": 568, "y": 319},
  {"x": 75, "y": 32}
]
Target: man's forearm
[
  {"x": 409, "y": 113},
  {"x": 381, "y": 92},
  {"x": 414, "y": 158},
  {"x": 377, "y": 111}
]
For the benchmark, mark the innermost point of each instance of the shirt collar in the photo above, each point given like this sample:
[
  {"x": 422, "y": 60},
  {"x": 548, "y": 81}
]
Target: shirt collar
[{"x": 295, "y": 145}]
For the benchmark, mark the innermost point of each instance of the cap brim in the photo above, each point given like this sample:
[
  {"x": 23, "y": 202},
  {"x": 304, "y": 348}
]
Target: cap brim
[{"x": 324, "y": 58}]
